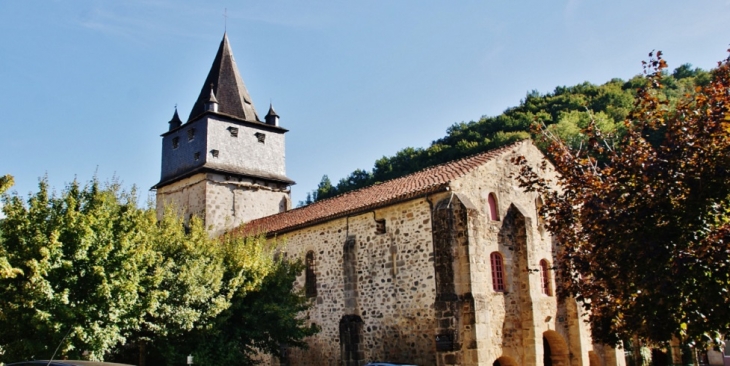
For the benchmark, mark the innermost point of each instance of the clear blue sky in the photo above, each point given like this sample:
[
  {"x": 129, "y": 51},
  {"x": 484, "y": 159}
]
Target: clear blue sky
[{"x": 87, "y": 87}]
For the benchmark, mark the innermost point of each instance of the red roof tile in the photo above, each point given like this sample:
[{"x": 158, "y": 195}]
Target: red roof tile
[{"x": 433, "y": 179}]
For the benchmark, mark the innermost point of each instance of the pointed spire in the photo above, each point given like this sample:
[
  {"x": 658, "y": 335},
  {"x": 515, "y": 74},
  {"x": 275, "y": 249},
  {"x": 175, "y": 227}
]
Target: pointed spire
[
  {"x": 227, "y": 87},
  {"x": 175, "y": 122},
  {"x": 272, "y": 118},
  {"x": 211, "y": 98},
  {"x": 212, "y": 103}
]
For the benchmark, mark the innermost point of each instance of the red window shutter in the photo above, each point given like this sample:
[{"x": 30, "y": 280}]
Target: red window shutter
[
  {"x": 493, "y": 215},
  {"x": 545, "y": 278},
  {"x": 497, "y": 272}
]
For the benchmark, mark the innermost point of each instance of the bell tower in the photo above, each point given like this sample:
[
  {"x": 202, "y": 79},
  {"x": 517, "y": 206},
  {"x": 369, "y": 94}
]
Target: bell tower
[{"x": 224, "y": 164}]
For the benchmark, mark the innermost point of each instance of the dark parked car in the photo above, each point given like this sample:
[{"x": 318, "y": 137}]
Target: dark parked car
[{"x": 65, "y": 363}]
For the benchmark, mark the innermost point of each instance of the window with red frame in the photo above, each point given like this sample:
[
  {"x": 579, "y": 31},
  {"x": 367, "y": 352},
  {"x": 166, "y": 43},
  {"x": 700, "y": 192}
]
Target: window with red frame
[
  {"x": 497, "y": 272},
  {"x": 545, "y": 278}
]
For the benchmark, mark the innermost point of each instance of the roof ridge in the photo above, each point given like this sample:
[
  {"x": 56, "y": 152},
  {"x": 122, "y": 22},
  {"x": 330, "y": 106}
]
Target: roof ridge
[
  {"x": 460, "y": 170},
  {"x": 374, "y": 196}
]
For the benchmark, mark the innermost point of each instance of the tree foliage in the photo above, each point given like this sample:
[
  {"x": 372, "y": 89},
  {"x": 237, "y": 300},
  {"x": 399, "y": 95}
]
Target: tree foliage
[
  {"x": 642, "y": 216},
  {"x": 569, "y": 108},
  {"x": 94, "y": 274},
  {"x": 6, "y": 270}
]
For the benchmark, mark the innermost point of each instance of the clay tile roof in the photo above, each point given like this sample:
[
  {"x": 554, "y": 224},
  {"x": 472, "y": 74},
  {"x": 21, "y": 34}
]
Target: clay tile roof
[
  {"x": 429, "y": 180},
  {"x": 228, "y": 86}
]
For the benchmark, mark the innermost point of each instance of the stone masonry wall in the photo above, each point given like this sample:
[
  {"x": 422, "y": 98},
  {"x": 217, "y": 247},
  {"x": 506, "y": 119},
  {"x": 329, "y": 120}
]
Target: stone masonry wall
[
  {"x": 454, "y": 306},
  {"x": 421, "y": 291},
  {"x": 224, "y": 201},
  {"x": 515, "y": 325},
  {"x": 187, "y": 196},
  {"x": 232, "y": 201},
  {"x": 375, "y": 292}
]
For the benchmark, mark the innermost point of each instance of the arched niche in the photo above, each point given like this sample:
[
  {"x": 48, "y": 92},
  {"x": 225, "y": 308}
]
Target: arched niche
[{"x": 555, "y": 349}]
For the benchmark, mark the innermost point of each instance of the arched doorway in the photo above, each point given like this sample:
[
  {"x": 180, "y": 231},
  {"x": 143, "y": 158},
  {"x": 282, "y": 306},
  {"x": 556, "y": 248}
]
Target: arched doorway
[
  {"x": 350, "y": 336},
  {"x": 505, "y": 361},
  {"x": 555, "y": 350}
]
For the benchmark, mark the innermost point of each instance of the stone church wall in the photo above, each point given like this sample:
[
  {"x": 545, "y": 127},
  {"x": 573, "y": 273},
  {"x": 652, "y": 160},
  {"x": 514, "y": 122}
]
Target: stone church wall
[
  {"x": 375, "y": 292},
  {"x": 224, "y": 201},
  {"x": 518, "y": 325},
  {"x": 232, "y": 201},
  {"x": 187, "y": 196},
  {"x": 421, "y": 291}
]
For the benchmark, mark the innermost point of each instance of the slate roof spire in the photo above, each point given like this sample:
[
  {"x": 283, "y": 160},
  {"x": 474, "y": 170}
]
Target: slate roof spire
[
  {"x": 175, "y": 122},
  {"x": 272, "y": 118},
  {"x": 228, "y": 87}
]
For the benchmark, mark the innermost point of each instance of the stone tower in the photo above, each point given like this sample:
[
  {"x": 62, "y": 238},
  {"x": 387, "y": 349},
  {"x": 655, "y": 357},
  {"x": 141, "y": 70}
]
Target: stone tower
[{"x": 224, "y": 164}]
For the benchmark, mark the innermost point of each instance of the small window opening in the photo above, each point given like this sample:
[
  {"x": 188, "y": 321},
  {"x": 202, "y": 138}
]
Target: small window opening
[
  {"x": 538, "y": 208},
  {"x": 497, "y": 272},
  {"x": 380, "y": 226},
  {"x": 310, "y": 278},
  {"x": 175, "y": 142},
  {"x": 493, "y": 212},
  {"x": 545, "y": 278},
  {"x": 214, "y": 153},
  {"x": 260, "y": 136},
  {"x": 233, "y": 131},
  {"x": 191, "y": 134},
  {"x": 196, "y": 156}
]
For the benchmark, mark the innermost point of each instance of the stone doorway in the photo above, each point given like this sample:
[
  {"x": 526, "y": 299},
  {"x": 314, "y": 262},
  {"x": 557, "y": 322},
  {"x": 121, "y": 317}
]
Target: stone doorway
[
  {"x": 505, "y": 361},
  {"x": 555, "y": 349},
  {"x": 350, "y": 336}
]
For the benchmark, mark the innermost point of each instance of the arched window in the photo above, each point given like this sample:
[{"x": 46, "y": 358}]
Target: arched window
[
  {"x": 497, "y": 272},
  {"x": 545, "y": 278},
  {"x": 310, "y": 278},
  {"x": 493, "y": 212}
]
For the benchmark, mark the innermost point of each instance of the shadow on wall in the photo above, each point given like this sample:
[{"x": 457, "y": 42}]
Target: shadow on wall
[{"x": 512, "y": 242}]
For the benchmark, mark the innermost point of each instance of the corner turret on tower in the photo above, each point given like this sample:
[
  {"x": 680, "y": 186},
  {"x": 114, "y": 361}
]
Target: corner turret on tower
[
  {"x": 272, "y": 118},
  {"x": 212, "y": 103},
  {"x": 175, "y": 122}
]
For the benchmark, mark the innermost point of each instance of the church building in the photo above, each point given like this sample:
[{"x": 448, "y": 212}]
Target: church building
[{"x": 450, "y": 265}]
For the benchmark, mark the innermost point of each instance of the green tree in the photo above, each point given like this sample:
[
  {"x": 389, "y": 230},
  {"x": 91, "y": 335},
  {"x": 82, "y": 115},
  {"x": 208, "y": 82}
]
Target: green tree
[
  {"x": 642, "y": 219},
  {"x": 609, "y": 103},
  {"x": 197, "y": 280},
  {"x": 80, "y": 260},
  {"x": 100, "y": 277},
  {"x": 266, "y": 319},
  {"x": 6, "y": 182},
  {"x": 6, "y": 270}
]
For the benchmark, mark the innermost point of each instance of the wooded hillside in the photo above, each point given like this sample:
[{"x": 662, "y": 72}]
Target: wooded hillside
[{"x": 566, "y": 110}]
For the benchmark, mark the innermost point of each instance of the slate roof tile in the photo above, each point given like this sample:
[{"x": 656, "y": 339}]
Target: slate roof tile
[{"x": 230, "y": 91}]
